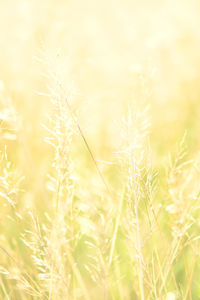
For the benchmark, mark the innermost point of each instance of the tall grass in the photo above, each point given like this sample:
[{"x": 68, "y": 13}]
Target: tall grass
[{"x": 99, "y": 150}]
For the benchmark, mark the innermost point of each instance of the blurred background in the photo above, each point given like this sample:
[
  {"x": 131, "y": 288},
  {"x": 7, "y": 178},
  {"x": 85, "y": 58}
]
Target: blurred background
[{"x": 106, "y": 54}]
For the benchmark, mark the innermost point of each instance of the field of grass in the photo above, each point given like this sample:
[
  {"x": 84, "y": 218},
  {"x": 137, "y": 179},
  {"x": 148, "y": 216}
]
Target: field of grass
[{"x": 99, "y": 149}]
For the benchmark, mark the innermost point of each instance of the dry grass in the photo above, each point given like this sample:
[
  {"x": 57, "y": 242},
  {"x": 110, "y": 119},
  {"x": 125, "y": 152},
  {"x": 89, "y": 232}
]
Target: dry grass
[{"x": 99, "y": 150}]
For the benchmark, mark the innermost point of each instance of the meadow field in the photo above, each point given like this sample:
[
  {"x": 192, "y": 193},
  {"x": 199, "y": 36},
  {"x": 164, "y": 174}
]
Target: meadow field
[{"x": 100, "y": 149}]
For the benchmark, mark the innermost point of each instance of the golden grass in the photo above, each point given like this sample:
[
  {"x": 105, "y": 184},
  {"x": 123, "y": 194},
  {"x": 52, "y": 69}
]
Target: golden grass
[{"x": 99, "y": 149}]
